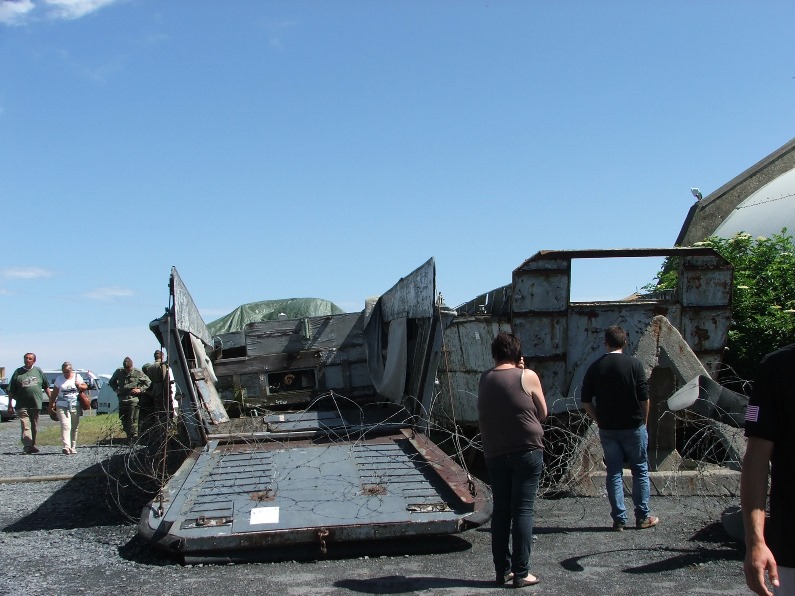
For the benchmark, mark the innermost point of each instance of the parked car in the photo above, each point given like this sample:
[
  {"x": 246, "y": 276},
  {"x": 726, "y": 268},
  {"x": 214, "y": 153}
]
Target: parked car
[{"x": 4, "y": 406}]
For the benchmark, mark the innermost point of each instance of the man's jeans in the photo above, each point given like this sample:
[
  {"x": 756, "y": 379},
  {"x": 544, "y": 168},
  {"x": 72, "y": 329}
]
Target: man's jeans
[
  {"x": 514, "y": 483},
  {"x": 627, "y": 445}
]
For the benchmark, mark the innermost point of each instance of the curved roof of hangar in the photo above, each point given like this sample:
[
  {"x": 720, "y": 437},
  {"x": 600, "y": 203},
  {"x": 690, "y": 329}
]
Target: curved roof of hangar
[
  {"x": 759, "y": 201},
  {"x": 765, "y": 212}
]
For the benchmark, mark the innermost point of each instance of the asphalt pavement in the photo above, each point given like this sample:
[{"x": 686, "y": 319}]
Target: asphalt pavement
[{"x": 68, "y": 516}]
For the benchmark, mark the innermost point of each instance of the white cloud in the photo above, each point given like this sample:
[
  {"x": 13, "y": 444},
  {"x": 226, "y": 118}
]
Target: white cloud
[
  {"x": 25, "y": 272},
  {"x": 74, "y": 9},
  {"x": 109, "y": 293},
  {"x": 275, "y": 31},
  {"x": 20, "y": 12},
  {"x": 13, "y": 12}
]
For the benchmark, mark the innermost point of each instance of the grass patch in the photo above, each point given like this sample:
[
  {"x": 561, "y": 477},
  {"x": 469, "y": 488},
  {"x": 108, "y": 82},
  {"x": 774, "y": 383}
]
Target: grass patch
[{"x": 93, "y": 429}]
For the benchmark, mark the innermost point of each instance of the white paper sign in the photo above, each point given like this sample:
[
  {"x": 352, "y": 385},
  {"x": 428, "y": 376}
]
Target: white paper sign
[{"x": 264, "y": 515}]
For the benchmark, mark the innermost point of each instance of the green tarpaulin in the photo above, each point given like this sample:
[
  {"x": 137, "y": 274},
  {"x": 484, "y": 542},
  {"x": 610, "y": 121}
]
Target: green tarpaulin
[{"x": 269, "y": 310}]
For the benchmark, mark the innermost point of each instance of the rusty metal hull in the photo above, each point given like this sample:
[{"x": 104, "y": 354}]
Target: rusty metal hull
[
  {"x": 561, "y": 338},
  {"x": 316, "y": 493}
]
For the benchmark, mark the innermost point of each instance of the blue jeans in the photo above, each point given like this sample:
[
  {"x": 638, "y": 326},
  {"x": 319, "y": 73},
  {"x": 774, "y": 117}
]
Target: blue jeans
[
  {"x": 631, "y": 446},
  {"x": 514, "y": 483}
]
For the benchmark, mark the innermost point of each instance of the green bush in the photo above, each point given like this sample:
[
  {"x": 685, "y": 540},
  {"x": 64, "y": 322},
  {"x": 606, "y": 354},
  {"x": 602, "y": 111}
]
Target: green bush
[{"x": 763, "y": 300}]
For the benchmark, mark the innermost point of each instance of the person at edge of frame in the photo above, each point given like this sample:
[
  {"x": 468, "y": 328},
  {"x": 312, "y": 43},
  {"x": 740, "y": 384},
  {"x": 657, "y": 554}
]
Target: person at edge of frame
[{"x": 770, "y": 429}]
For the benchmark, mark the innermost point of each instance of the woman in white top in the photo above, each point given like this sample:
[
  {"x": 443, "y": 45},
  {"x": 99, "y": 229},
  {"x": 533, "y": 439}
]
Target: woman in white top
[{"x": 64, "y": 400}]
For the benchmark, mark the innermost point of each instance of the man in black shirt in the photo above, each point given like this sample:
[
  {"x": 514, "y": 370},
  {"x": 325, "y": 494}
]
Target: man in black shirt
[
  {"x": 770, "y": 428},
  {"x": 615, "y": 394}
]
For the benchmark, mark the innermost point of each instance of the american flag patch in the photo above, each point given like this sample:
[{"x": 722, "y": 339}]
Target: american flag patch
[{"x": 752, "y": 414}]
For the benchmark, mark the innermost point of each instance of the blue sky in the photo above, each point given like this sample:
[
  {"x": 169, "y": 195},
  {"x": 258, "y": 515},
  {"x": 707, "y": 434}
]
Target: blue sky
[{"x": 325, "y": 149}]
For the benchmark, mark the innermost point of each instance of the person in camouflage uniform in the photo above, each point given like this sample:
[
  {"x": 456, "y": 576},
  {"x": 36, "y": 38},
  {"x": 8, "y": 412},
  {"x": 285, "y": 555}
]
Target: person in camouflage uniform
[
  {"x": 130, "y": 384},
  {"x": 160, "y": 391},
  {"x": 156, "y": 403}
]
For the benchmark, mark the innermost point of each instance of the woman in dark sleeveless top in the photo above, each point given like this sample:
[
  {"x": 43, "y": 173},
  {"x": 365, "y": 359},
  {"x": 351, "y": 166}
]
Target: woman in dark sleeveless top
[{"x": 511, "y": 407}]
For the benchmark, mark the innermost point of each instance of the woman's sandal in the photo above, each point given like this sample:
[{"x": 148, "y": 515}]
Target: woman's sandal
[{"x": 522, "y": 582}]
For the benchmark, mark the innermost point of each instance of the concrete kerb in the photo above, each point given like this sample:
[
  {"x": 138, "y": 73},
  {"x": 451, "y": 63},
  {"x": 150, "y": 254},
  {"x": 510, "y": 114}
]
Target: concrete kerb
[{"x": 703, "y": 483}]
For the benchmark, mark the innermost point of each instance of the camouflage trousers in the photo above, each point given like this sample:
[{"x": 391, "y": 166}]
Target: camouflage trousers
[{"x": 129, "y": 413}]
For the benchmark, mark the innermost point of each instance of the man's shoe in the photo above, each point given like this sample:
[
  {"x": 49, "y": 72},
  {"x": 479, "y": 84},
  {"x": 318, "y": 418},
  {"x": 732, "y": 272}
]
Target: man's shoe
[
  {"x": 33, "y": 449},
  {"x": 649, "y": 522},
  {"x": 619, "y": 526}
]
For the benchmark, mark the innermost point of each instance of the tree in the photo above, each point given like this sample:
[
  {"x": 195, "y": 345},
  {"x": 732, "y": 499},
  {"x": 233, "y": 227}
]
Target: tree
[{"x": 763, "y": 300}]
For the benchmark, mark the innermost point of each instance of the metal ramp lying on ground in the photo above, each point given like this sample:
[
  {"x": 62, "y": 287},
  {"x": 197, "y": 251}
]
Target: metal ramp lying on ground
[{"x": 269, "y": 494}]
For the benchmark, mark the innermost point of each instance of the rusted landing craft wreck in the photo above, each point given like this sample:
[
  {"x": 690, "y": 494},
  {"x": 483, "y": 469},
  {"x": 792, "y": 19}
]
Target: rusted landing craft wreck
[
  {"x": 328, "y": 444},
  {"x": 679, "y": 335}
]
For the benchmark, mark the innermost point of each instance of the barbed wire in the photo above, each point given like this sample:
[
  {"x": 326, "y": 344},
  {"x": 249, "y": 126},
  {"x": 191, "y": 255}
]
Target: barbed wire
[{"x": 138, "y": 471}]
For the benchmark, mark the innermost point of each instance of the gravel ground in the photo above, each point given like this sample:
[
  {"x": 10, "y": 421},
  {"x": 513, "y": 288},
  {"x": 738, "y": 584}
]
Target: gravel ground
[{"x": 61, "y": 536}]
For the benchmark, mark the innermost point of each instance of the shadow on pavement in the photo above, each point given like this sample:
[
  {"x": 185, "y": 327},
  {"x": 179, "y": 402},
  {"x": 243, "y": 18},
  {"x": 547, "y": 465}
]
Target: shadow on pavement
[
  {"x": 89, "y": 499},
  {"x": 678, "y": 559},
  {"x": 400, "y": 584}
]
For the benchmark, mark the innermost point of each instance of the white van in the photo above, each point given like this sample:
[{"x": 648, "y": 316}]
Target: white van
[
  {"x": 108, "y": 401},
  {"x": 94, "y": 382}
]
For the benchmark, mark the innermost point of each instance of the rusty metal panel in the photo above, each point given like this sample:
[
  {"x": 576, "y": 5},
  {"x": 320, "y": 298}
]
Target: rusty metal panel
[
  {"x": 705, "y": 281},
  {"x": 467, "y": 353},
  {"x": 552, "y": 374},
  {"x": 706, "y": 329},
  {"x": 542, "y": 335},
  {"x": 414, "y": 296},
  {"x": 587, "y": 323},
  {"x": 210, "y": 400},
  {"x": 540, "y": 290},
  {"x": 467, "y": 343},
  {"x": 457, "y": 402},
  {"x": 186, "y": 315}
]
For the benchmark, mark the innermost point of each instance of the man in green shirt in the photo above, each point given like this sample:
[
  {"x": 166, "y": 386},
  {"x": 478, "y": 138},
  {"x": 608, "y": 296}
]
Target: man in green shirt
[
  {"x": 130, "y": 384},
  {"x": 26, "y": 387}
]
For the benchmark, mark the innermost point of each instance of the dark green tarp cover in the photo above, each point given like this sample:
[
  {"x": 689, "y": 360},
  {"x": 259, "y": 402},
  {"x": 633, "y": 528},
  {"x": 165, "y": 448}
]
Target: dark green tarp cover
[{"x": 269, "y": 310}]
